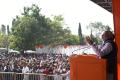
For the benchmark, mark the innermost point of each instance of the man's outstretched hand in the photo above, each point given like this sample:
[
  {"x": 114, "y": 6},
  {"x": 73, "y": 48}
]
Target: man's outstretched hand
[{"x": 89, "y": 40}]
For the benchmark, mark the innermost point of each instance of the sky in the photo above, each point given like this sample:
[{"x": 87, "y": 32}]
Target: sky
[{"x": 73, "y": 11}]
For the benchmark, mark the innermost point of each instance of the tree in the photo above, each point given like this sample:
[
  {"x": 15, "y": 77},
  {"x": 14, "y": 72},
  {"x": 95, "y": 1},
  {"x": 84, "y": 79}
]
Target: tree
[
  {"x": 24, "y": 31},
  {"x": 2, "y": 40},
  {"x": 4, "y": 35},
  {"x": 80, "y": 34},
  {"x": 33, "y": 28},
  {"x": 8, "y": 30},
  {"x": 72, "y": 40},
  {"x": 58, "y": 34},
  {"x": 3, "y": 29},
  {"x": 97, "y": 28}
]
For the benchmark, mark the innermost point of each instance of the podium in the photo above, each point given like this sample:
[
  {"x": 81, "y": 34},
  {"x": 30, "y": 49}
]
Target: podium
[{"x": 87, "y": 67}]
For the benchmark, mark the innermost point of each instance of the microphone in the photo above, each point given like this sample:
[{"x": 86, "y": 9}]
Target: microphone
[
  {"x": 85, "y": 50},
  {"x": 88, "y": 47}
]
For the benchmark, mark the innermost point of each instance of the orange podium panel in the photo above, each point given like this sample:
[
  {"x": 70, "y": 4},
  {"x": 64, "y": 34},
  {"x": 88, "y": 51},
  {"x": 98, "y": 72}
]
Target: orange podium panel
[{"x": 87, "y": 67}]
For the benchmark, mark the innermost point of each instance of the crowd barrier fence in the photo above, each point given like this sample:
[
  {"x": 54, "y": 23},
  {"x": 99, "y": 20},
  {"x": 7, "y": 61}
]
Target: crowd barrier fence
[{"x": 29, "y": 76}]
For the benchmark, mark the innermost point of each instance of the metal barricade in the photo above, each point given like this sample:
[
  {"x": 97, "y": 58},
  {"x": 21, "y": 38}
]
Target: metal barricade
[{"x": 29, "y": 76}]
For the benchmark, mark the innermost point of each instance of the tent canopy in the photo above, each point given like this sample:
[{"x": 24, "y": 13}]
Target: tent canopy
[
  {"x": 14, "y": 51},
  {"x": 29, "y": 51}
]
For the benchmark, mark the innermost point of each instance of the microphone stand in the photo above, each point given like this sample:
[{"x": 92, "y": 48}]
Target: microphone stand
[{"x": 88, "y": 47}]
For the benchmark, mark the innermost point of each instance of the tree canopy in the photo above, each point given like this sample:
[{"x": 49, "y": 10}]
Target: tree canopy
[
  {"x": 33, "y": 28},
  {"x": 96, "y": 29}
]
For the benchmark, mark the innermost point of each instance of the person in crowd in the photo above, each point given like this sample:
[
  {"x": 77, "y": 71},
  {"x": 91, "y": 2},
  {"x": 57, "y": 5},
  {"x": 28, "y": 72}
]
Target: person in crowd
[
  {"x": 7, "y": 69},
  {"x": 42, "y": 64},
  {"x": 25, "y": 70},
  {"x": 107, "y": 50}
]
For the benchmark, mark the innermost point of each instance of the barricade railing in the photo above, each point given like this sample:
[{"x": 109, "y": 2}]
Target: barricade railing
[{"x": 29, "y": 76}]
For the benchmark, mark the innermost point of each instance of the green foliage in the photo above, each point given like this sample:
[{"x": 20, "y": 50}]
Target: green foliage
[
  {"x": 4, "y": 36},
  {"x": 3, "y": 29},
  {"x": 81, "y": 38},
  {"x": 73, "y": 40},
  {"x": 24, "y": 30},
  {"x": 12, "y": 40},
  {"x": 58, "y": 35},
  {"x": 2, "y": 40},
  {"x": 33, "y": 28},
  {"x": 79, "y": 30}
]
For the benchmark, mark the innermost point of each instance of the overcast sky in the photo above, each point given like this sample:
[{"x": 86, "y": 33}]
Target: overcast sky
[{"x": 73, "y": 11}]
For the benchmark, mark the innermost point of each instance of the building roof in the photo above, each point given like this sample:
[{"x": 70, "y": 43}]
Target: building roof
[{"x": 106, "y": 4}]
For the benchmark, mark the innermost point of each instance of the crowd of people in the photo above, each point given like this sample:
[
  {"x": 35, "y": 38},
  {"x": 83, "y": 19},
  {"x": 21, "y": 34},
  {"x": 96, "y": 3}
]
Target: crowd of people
[
  {"x": 58, "y": 64},
  {"x": 48, "y": 64}
]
